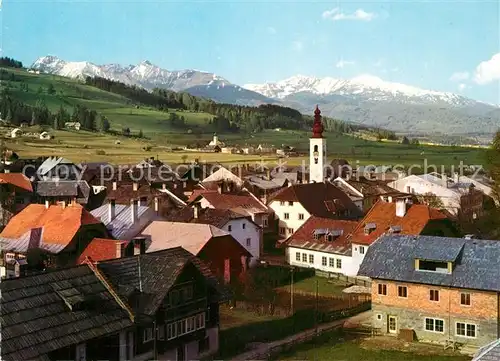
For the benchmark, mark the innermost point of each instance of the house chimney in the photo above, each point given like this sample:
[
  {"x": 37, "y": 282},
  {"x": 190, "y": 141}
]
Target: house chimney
[
  {"x": 6, "y": 170},
  {"x": 47, "y": 204},
  {"x": 111, "y": 209},
  {"x": 268, "y": 173},
  {"x": 114, "y": 186},
  {"x": 120, "y": 249},
  {"x": 139, "y": 245},
  {"x": 157, "y": 205},
  {"x": 134, "y": 186},
  {"x": 63, "y": 204},
  {"x": 219, "y": 188},
  {"x": 133, "y": 213},
  {"x": 389, "y": 199},
  {"x": 455, "y": 177},
  {"x": 400, "y": 208},
  {"x": 444, "y": 178},
  {"x": 163, "y": 186},
  {"x": 195, "y": 211}
]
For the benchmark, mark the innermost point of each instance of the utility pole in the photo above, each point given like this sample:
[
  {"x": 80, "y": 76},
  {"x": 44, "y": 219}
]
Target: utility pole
[{"x": 316, "y": 313}]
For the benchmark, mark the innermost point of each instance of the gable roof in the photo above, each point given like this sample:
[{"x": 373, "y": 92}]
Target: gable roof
[
  {"x": 305, "y": 238},
  {"x": 70, "y": 188},
  {"x": 161, "y": 235},
  {"x": 100, "y": 249},
  {"x": 52, "y": 162},
  {"x": 35, "y": 319},
  {"x": 213, "y": 216},
  {"x": 392, "y": 257},
  {"x": 153, "y": 274},
  {"x": 18, "y": 180},
  {"x": 319, "y": 199},
  {"x": 121, "y": 224},
  {"x": 243, "y": 199},
  {"x": 490, "y": 352},
  {"x": 60, "y": 224},
  {"x": 383, "y": 216}
]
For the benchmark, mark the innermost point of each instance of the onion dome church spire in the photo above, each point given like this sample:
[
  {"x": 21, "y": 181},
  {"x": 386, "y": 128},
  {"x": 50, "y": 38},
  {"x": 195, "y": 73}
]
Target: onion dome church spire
[{"x": 317, "y": 125}]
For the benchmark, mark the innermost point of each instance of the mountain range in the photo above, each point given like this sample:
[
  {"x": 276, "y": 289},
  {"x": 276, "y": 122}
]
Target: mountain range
[{"x": 364, "y": 99}]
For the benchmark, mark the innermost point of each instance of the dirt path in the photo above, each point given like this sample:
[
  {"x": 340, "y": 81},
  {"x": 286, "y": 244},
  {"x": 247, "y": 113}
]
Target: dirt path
[{"x": 262, "y": 351}]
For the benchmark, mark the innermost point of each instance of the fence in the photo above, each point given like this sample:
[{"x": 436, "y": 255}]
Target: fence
[
  {"x": 266, "y": 352},
  {"x": 348, "y": 279}
]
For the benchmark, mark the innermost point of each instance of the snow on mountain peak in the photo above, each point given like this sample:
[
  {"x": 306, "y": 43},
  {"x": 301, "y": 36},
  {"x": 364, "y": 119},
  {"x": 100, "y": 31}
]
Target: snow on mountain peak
[{"x": 365, "y": 85}]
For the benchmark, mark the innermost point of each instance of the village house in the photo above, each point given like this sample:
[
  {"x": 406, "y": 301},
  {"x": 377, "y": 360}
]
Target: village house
[
  {"x": 397, "y": 216},
  {"x": 225, "y": 256},
  {"x": 242, "y": 202},
  {"x": 161, "y": 306},
  {"x": 58, "y": 168},
  {"x": 438, "y": 289},
  {"x": 241, "y": 227},
  {"x": 72, "y": 125},
  {"x": 126, "y": 221},
  {"x": 322, "y": 243},
  {"x": 294, "y": 205},
  {"x": 16, "y": 193},
  {"x": 462, "y": 200},
  {"x": 61, "y": 231},
  {"x": 365, "y": 192}
]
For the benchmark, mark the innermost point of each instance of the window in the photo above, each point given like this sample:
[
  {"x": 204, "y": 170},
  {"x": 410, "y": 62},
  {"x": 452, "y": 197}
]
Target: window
[
  {"x": 382, "y": 289},
  {"x": 173, "y": 298},
  {"x": 244, "y": 225},
  {"x": 323, "y": 261},
  {"x": 265, "y": 222},
  {"x": 161, "y": 332},
  {"x": 290, "y": 204},
  {"x": 290, "y": 230},
  {"x": 229, "y": 228},
  {"x": 441, "y": 267},
  {"x": 434, "y": 295},
  {"x": 311, "y": 258},
  {"x": 402, "y": 291},
  {"x": 304, "y": 257},
  {"x": 339, "y": 263},
  {"x": 187, "y": 293},
  {"x": 282, "y": 230},
  {"x": 297, "y": 256},
  {"x": 10, "y": 256},
  {"x": 331, "y": 262},
  {"x": 466, "y": 329},
  {"x": 147, "y": 335},
  {"x": 361, "y": 250},
  {"x": 249, "y": 242},
  {"x": 171, "y": 331},
  {"x": 190, "y": 324},
  {"x": 286, "y": 216},
  {"x": 282, "y": 203},
  {"x": 301, "y": 216},
  {"x": 434, "y": 325},
  {"x": 200, "y": 321},
  {"x": 465, "y": 299}
]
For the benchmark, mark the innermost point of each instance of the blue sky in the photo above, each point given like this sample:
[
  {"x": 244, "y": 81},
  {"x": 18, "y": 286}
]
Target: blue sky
[{"x": 446, "y": 46}]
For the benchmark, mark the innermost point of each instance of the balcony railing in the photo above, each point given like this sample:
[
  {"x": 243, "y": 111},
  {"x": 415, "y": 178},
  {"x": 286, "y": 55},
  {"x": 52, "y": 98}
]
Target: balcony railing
[{"x": 185, "y": 309}]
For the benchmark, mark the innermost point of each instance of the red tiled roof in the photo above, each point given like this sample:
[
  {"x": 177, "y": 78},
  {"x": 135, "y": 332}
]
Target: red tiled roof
[
  {"x": 304, "y": 236},
  {"x": 100, "y": 249},
  {"x": 18, "y": 180},
  {"x": 319, "y": 199},
  {"x": 60, "y": 224},
  {"x": 383, "y": 215},
  {"x": 238, "y": 200}
]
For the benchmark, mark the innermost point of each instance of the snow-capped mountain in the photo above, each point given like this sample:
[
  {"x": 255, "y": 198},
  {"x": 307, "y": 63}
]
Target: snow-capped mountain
[
  {"x": 364, "y": 99},
  {"x": 149, "y": 76},
  {"x": 367, "y": 87}
]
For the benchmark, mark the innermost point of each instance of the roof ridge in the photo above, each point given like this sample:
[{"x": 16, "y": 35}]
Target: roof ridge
[{"x": 110, "y": 289}]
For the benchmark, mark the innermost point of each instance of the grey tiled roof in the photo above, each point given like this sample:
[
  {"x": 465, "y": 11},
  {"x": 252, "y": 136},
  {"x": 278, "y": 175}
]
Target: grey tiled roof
[
  {"x": 54, "y": 188},
  {"x": 392, "y": 257},
  {"x": 490, "y": 352}
]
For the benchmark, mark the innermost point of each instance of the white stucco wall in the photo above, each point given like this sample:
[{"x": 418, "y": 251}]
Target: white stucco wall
[
  {"x": 241, "y": 230},
  {"x": 293, "y": 222},
  {"x": 317, "y": 171},
  {"x": 223, "y": 174},
  {"x": 347, "y": 268},
  {"x": 358, "y": 254}
]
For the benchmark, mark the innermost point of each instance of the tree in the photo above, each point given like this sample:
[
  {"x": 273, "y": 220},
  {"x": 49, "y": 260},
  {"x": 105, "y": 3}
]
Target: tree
[
  {"x": 50, "y": 89},
  {"x": 40, "y": 90},
  {"x": 103, "y": 124},
  {"x": 405, "y": 141},
  {"x": 431, "y": 200},
  {"x": 140, "y": 135},
  {"x": 9, "y": 117}
]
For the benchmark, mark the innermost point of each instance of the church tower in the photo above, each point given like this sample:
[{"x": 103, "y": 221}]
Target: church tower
[{"x": 317, "y": 150}]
